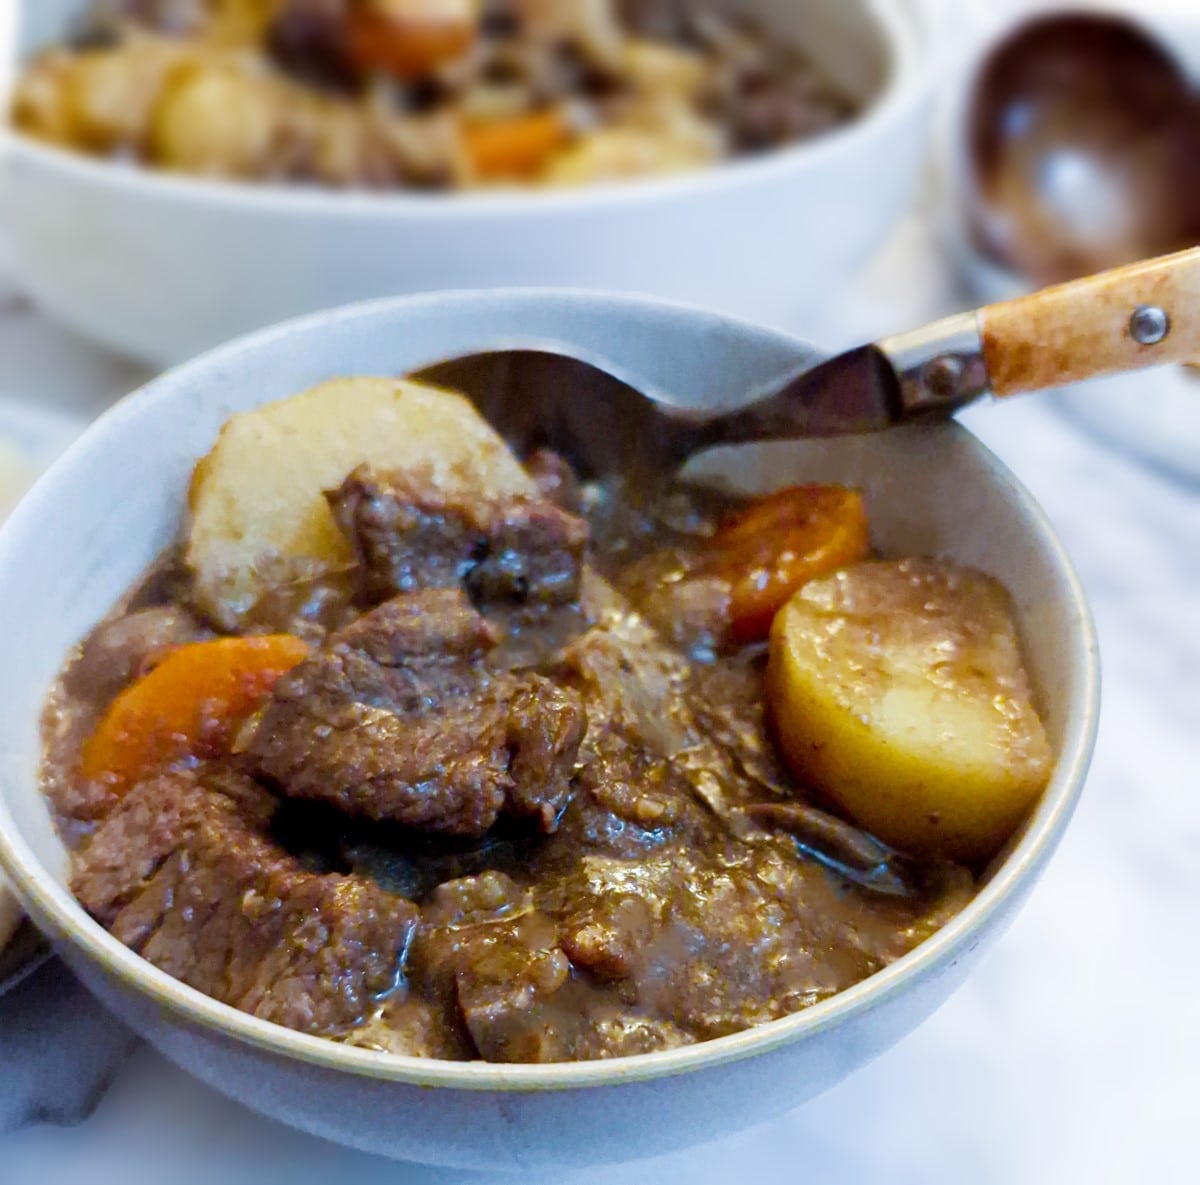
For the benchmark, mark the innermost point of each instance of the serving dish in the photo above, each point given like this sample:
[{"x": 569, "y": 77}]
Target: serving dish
[
  {"x": 162, "y": 267},
  {"x": 114, "y": 501}
]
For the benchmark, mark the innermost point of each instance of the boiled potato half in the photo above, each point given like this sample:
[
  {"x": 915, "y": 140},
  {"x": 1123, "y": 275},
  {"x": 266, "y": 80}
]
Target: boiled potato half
[
  {"x": 898, "y": 691},
  {"x": 259, "y": 514}
]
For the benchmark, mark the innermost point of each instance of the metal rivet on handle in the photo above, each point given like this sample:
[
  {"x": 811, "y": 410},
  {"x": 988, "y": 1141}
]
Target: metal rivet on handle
[
  {"x": 1149, "y": 325},
  {"x": 943, "y": 376}
]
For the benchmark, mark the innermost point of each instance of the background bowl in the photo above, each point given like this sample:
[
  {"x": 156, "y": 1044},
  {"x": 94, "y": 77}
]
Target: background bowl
[
  {"x": 107, "y": 508},
  {"x": 162, "y": 267}
]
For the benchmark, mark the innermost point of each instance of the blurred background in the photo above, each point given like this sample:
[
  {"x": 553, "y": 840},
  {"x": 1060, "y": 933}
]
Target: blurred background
[{"x": 179, "y": 172}]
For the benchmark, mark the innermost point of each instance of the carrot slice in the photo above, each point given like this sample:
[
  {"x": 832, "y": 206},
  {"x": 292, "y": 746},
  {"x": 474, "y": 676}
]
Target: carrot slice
[
  {"x": 409, "y": 38},
  {"x": 781, "y": 542},
  {"x": 515, "y": 147},
  {"x": 187, "y": 706}
]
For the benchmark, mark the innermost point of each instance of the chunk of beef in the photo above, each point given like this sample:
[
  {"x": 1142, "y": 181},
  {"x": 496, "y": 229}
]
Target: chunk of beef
[
  {"x": 719, "y": 937},
  {"x": 412, "y": 1027},
  {"x": 408, "y": 537},
  {"x": 505, "y": 981},
  {"x": 630, "y": 680},
  {"x": 400, "y": 718},
  {"x": 637, "y": 788},
  {"x": 185, "y": 873},
  {"x": 307, "y": 39},
  {"x": 556, "y": 480},
  {"x": 493, "y": 963},
  {"x": 119, "y": 650},
  {"x": 148, "y": 825},
  {"x": 608, "y": 935},
  {"x": 496, "y": 965}
]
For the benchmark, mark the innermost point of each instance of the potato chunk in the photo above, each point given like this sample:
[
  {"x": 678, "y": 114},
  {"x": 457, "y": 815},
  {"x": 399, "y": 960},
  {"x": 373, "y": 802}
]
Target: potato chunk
[
  {"x": 259, "y": 515},
  {"x": 216, "y": 121},
  {"x": 897, "y": 690}
]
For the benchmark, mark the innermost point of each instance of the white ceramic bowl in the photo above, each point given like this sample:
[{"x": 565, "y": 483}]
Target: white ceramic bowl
[
  {"x": 30, "y": 438},
  {"x": 162, "y": 267},
  {"x": 102, "y": 514}
]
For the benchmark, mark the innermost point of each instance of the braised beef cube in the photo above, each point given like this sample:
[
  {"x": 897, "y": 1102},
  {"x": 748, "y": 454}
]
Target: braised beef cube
[
  {"x": 608, "y": 936},
  {"x": 556, "y": 480},
  {"x": 204, "y": 894},
  {"x": 307, "y": 38},
  {"x": 400, "y": 719},
  {"x": 534, "y": 552},
  {"x": 403, "y": 541},
  {"x": 502, "y": 993},
  {"x": 339, "y": 947},
  {"x": 476, "y": 900},
  {"x": 149, "y": 824},
  {"x": 545, "y": 726},
  {"x": 482, "y": 946},
  {"x": 424, "y": 631},
  {"x": 637, "y": 782},
  {"x": 508, "y": 986},
  {"x": 412, "y": 1027},
  {"x": 121, "y": 649},
  {"x": 407, "y": 537}
]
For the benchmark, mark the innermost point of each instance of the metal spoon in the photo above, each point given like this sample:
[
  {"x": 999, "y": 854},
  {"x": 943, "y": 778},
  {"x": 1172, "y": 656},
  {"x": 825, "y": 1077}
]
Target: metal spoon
[
  {"x": 1083, "y": 147},
  {"x": 1143, "y": 315}
]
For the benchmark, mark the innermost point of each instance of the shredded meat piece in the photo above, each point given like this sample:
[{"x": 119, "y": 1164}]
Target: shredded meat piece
[
  {"x": 407, "y": 537},
  {"x": 185, "y": 872},
  {"x": 399, "y": 718}
]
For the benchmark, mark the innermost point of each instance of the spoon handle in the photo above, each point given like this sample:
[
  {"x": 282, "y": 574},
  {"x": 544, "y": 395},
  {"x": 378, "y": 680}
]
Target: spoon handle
[{"x": 1146, "y": 314}]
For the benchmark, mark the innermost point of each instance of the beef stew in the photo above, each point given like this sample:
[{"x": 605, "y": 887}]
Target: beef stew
[
  {"x": 428, "y": 95},
  {"x": 511, "y": 790}
]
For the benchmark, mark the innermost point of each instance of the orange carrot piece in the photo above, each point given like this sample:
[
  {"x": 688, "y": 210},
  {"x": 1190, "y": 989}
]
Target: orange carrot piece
[
  {"x": 781, "y": 542},
  {"x": 409, "y": 40},
  {"x": 515, "y": 147},
  {"x": 188, "y": 705}
]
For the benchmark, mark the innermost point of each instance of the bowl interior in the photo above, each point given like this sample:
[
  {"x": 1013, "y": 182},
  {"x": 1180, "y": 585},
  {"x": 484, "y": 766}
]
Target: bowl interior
[
  {"x": 845, "y": 36},
  {"x": 109, "y": 506},
  {"x": 866, "y": 47}
]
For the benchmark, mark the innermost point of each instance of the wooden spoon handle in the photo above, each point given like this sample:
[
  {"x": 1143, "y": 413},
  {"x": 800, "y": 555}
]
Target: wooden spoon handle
[{"x": 1105, "y": 324}]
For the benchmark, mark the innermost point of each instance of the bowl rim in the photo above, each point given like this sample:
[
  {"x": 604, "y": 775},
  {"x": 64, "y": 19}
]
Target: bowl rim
[
  {"x": 909, "y": 35},
  {"x": 53, "y": 906}
]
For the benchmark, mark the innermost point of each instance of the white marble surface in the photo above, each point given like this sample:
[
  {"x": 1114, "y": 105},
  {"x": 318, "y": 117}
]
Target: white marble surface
[{"x": 1070, "y": 1057}]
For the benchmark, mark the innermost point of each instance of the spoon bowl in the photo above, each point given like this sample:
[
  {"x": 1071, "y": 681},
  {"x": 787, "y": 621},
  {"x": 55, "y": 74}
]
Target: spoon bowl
[
  {"x": 1082, "y": 148},
  {"x": 605, "y": 425},
  {"x": 543, "y": 398}
]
